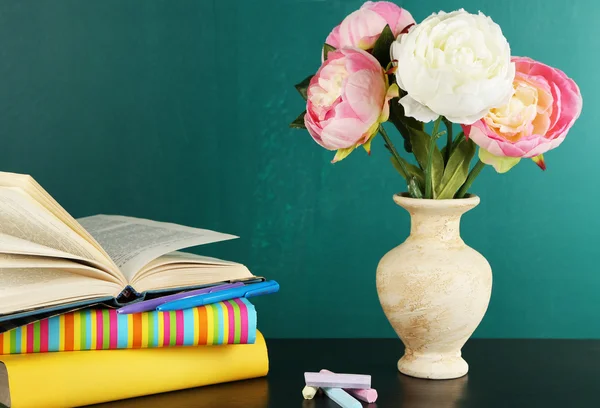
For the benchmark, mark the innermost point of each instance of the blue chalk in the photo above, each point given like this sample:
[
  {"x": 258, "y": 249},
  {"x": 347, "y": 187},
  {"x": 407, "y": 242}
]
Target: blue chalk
[{"x": 341, "y": 397}]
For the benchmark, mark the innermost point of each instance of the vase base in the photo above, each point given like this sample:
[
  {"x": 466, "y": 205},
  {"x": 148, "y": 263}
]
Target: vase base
[{"x": 433, "y": 367}]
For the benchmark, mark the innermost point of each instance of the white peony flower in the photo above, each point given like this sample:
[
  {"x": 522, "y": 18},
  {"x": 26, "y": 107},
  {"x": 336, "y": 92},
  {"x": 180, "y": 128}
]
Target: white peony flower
[{"x": 453, "y": 64}]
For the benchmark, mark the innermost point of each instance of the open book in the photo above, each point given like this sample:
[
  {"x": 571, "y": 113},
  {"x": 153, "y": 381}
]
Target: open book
[{"x": 49, "y": 261}]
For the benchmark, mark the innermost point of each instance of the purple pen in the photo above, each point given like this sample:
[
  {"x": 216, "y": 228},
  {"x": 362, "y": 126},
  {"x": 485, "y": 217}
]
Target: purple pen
[{"x": 151, "y": 304}]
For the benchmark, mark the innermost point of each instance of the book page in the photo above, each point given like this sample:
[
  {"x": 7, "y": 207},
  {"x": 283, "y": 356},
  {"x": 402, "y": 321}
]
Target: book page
[
  {"x": 178, "y": 257},
  {"x": 17, "y": 246},
  {"x": 37, "y": 193},
  {"x": 177, "y": 260},
  {"x": 133, "y": 242},
  {"x": 179, "y": 269},
  {"x": 45, "y": 262},
  {"x": 177, "y": 276},
  {"x": 23, "y": 218},
  {"x": 28, "y": 288}
]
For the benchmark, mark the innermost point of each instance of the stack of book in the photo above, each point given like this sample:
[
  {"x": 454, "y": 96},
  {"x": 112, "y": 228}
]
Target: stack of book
[{"x": 63, "y": 283}]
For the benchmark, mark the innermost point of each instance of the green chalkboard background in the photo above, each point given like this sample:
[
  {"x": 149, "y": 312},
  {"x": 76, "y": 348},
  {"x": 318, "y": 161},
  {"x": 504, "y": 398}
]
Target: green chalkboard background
[{"x": 178, "y": 111}]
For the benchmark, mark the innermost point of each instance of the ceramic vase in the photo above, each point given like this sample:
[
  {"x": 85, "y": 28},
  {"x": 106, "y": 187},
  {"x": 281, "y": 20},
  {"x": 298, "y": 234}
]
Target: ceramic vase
[{"x": 434, "y": 289}]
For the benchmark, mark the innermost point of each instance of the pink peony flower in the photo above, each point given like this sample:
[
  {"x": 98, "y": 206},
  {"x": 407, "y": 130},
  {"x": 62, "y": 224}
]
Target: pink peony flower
[
  {"x": 347, "y": 100},
  {"x": 362, "y": 28},
  {"x": 544, "y": 106}
]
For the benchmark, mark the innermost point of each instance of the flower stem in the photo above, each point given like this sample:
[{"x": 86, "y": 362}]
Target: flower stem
[
  {"x": 448, "y": 139},
  {"x": 428, "y": 175},
  {"x": 393, "y": 150},
  {"x": 470, "y": 178},
  {"x": 459, "y": 139}
]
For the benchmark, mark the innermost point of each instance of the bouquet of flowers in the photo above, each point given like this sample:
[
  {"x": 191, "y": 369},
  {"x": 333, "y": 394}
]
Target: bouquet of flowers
[{"x": 378, "y": 65}]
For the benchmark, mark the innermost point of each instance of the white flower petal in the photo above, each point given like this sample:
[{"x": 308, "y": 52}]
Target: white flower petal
[
  {"x": 454, "y": 64},
  {"x": 416, "y": 110},
  {"x": 394, "y": 56},
  {"x": 467, "y": 120}
]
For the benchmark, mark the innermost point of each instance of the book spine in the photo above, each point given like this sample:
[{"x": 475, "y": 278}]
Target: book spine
[{"x": 228, "y": 322}]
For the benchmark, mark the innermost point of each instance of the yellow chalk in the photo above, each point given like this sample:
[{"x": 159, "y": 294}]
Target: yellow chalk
[{"x": 309, "y": 392}]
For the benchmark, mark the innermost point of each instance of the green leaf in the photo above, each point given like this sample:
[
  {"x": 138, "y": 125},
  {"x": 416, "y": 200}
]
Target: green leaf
[
  {"x": 457, "y": 140},
  {"x": 420, "y": 142},
  {"x": 381, "y": 49},
  {"x": 413, "y": 188},
  {"x": 298, "y": 123},
  {"x": 302, "y": 87},
  {"x": 413, "y": 171},
  {"x": 403, "y": 123},
  {"x": 457, "y": 170},
  {"x": 429, "y": 187},
  {"x": 326, "y": 50},
  {"x": 472, "y": 176},
  {"x": 448, "y": 147}
]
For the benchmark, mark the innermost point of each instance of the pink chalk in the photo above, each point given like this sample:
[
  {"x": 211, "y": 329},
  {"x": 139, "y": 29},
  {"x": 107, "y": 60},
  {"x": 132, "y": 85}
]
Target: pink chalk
[{"x": 368, "y": 395}]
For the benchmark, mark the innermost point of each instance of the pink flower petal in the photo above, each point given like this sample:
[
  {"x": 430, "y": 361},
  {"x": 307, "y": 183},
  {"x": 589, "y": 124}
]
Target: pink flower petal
[
  {"x": 363, "y": 27},
  {"x": 333, "y": 38},
  {"x": 397, "y": 18},
  {"x": 559, "y": 105},
  {"x": 365, "y": 92},
  {"x": 343, "y": 133},
  {"x": 358, "y": 60}
]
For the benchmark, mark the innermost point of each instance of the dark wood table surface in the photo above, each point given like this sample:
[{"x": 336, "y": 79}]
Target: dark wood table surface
[{"x": 503, "y": 373}]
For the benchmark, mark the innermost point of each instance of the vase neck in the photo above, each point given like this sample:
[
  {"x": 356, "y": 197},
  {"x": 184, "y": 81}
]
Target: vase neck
[
  {"x": 436, "y": 219},
  {"x": 442, "y": 227}
]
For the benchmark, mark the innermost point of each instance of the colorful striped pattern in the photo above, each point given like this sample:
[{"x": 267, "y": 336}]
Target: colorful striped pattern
[{"x": 229, "y": 322}]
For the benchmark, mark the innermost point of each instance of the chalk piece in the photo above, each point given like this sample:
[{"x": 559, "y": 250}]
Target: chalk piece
[
  {"x": 321, "y": 380},
  {"x": 369, "y": 395},
  {"x": 309, "y": 392},
  {"x": 341, "y": 397}
]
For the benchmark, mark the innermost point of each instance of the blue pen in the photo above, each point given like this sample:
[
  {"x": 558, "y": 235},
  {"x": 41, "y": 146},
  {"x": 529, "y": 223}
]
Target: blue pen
[
  {"x": 255, "y": 289},
  {"x": 151, "y": 304}
]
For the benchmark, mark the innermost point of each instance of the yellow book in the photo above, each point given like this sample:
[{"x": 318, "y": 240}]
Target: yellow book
[{"x": 67, "y": 379}]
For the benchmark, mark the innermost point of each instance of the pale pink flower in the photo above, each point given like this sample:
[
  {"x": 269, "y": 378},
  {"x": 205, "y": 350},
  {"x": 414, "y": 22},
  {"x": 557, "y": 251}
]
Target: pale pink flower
[
  {"x": 347, "y": 100},
  {"x": 362, "y": 27}
]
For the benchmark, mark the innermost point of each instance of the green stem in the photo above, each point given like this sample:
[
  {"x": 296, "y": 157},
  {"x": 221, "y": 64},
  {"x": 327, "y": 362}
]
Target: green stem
[
  {"x": 470, "y": 178},
  {"x": 459, "y": 139},
  {"x": 428, "y": 175},
  {"x": 393, "y": 150},
  {"x": 448, "y": 139}
]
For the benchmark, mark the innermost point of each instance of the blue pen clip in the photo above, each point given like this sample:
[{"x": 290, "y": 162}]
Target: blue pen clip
[
  {"x": 255, "y": 289},
  {"x": 266, "y": 290}
]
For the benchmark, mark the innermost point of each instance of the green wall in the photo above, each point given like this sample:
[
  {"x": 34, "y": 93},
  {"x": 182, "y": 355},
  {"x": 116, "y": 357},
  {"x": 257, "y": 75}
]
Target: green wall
[{"x": 178, "y": 111}]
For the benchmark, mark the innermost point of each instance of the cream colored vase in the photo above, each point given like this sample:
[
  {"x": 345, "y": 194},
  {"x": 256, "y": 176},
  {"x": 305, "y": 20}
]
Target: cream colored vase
[{"x": 434, "y": 289}]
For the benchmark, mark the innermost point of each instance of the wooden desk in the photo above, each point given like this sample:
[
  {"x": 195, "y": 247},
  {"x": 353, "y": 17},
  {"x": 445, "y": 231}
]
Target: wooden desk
[{"x": 503, "y": 374}]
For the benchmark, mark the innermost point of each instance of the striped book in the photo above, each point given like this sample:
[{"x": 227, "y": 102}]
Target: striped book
[{"x": 228, "y": 322}]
